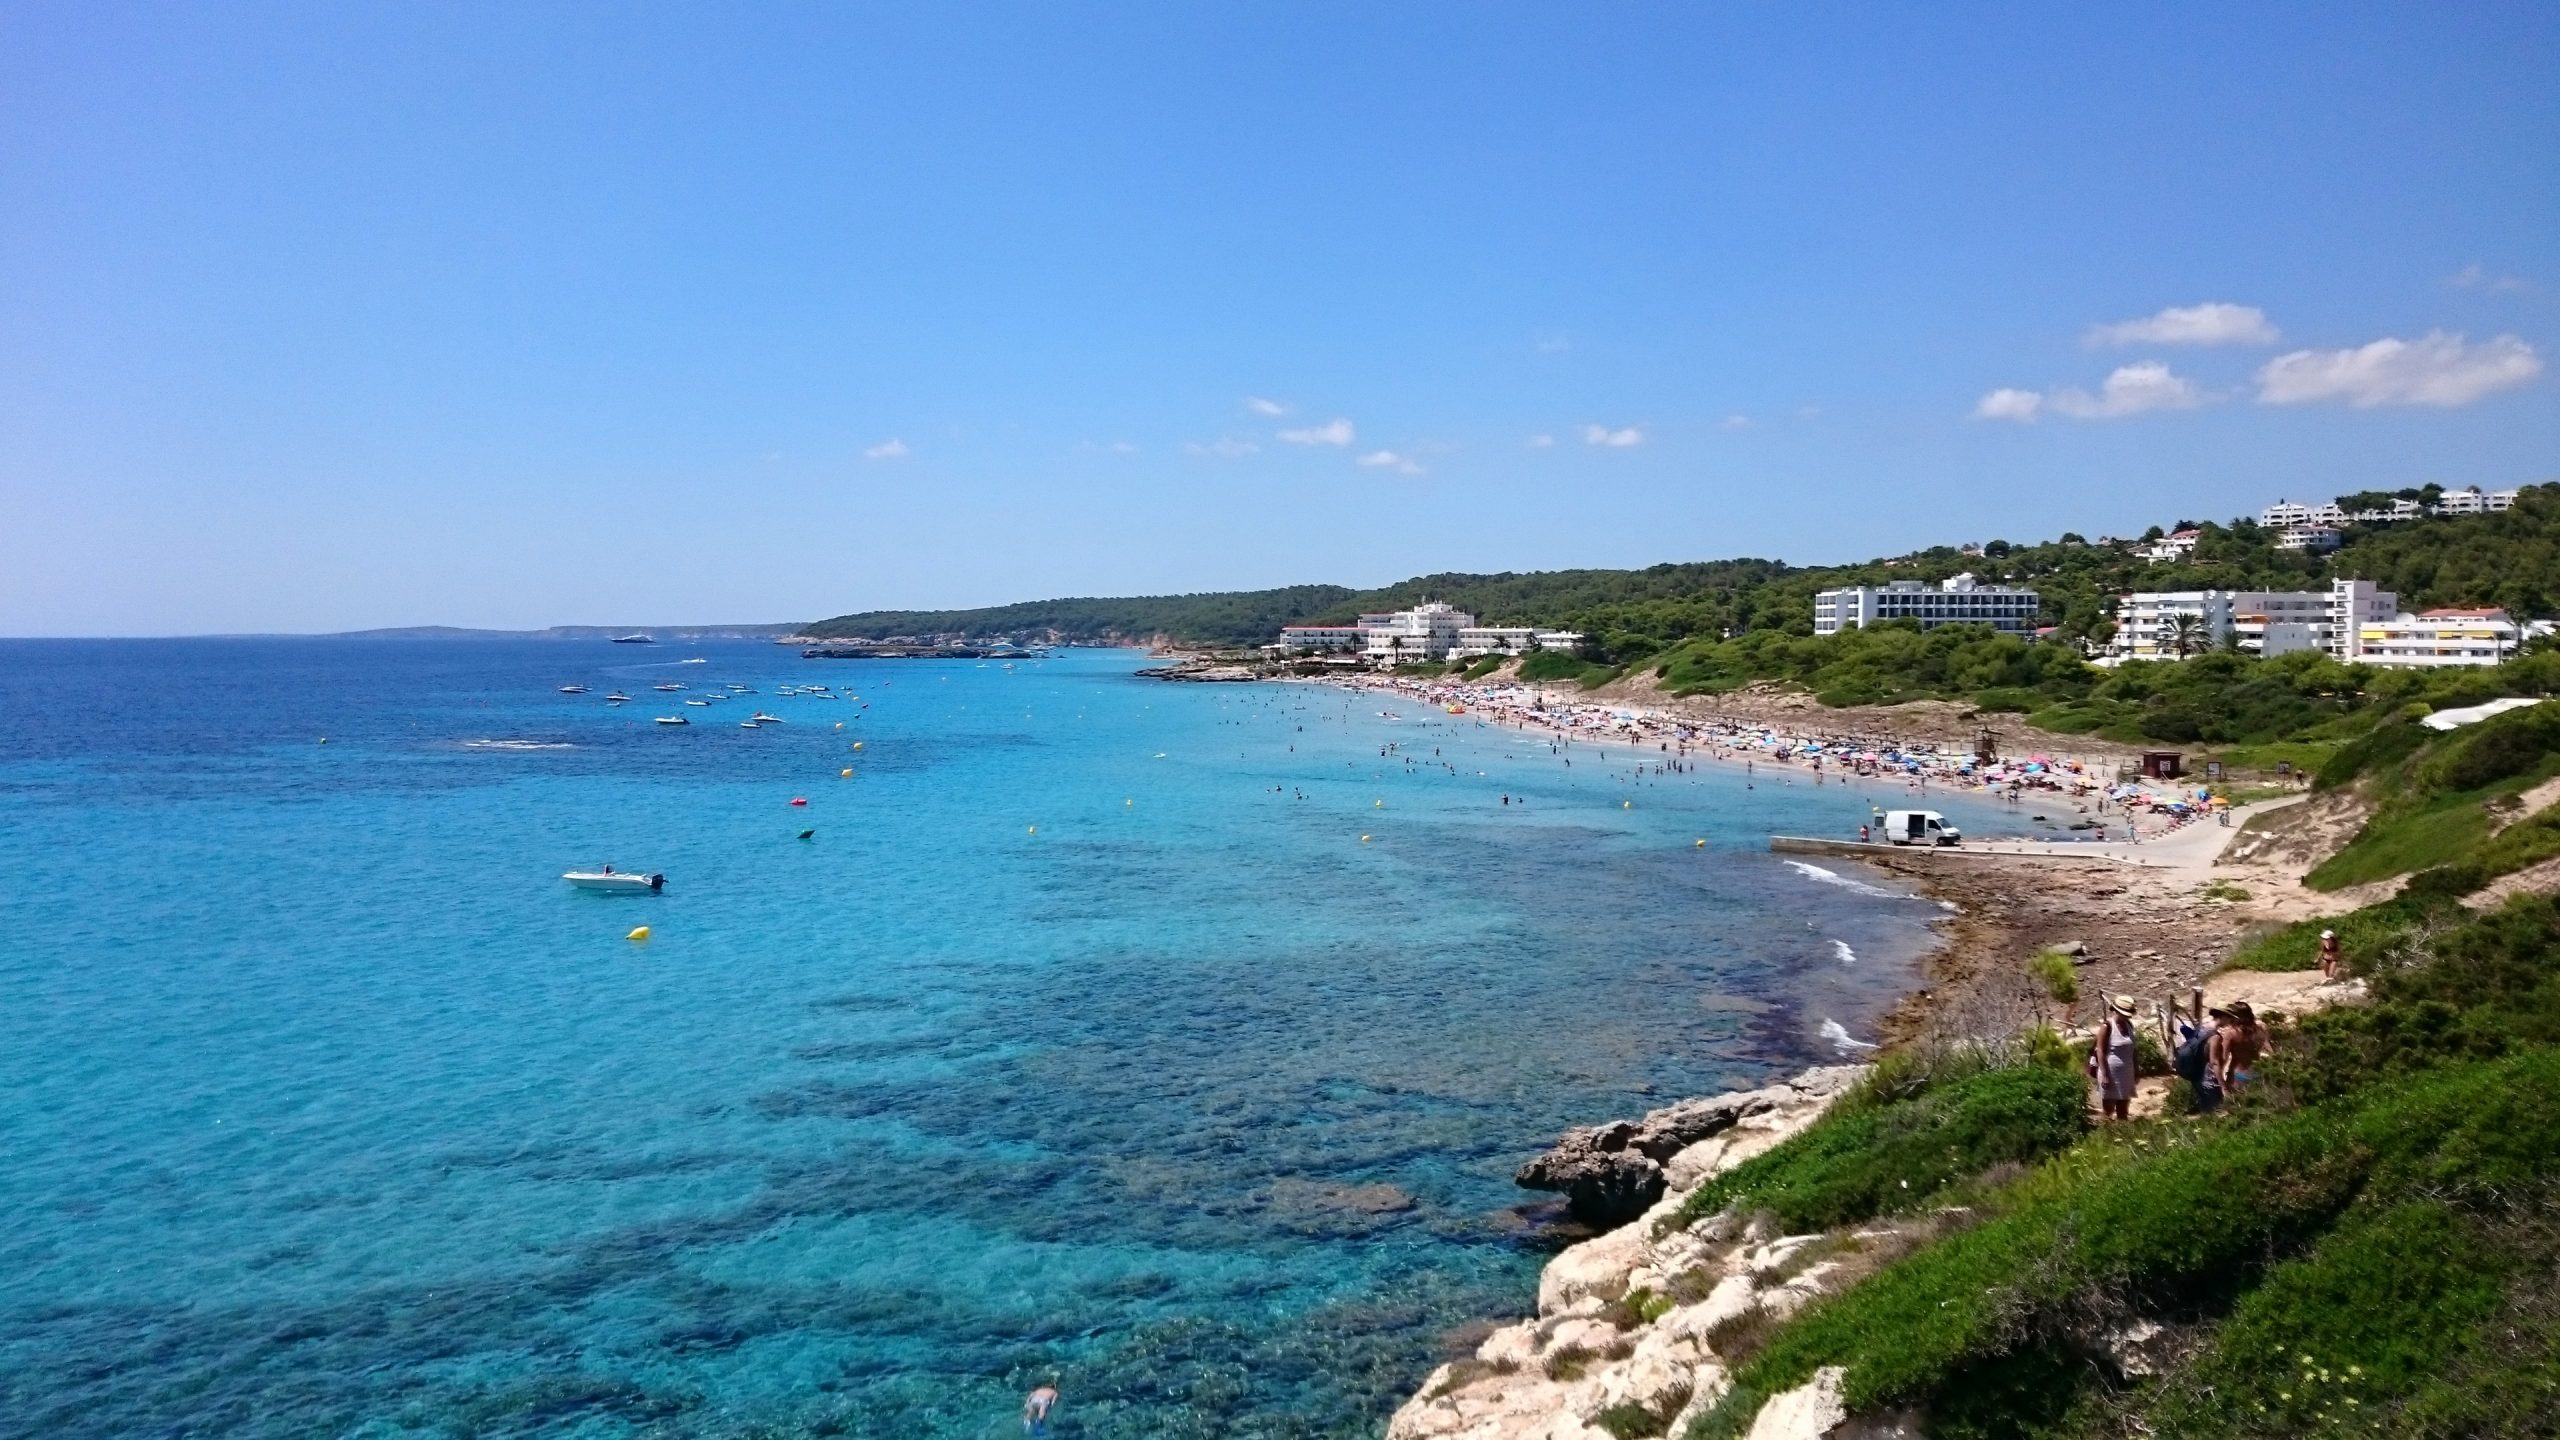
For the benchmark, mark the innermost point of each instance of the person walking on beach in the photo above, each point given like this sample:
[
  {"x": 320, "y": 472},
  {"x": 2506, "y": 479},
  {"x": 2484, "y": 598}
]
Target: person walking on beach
[
  {"x": 1035, "y": 1410},
  {"x": 2111, "y": 1060},
  {"x": 2329, "y": 955}
]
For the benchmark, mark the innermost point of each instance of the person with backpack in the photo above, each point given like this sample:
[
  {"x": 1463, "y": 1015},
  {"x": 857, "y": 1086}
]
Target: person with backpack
[{"x": 2187, "y": 1049}]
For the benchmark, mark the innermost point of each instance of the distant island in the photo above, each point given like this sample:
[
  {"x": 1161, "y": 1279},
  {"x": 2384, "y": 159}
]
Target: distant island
[{"x": 664, "y": 634}]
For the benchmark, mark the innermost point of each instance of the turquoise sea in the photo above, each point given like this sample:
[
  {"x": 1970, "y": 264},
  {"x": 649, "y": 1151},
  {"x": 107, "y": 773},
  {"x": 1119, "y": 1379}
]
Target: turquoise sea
[{"x": 1084, "y": 1038}]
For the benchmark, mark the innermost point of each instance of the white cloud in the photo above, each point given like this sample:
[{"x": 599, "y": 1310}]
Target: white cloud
[
  {"x": 2134, "y": 389},
  {"x": 1336, "y": 431},
  {"x": 1554, "y": 343},
  {"x": 1737, "y": 422},
  {"x": 1390, "y": 460},
  {"x": 1225, "y": 449},
  {"x": 2471, "y": 277},
  {"x": 1259, "y": 406},
  {"x": 2212, "y": 323},
  {"x": 2008, "y": 404},
  {"x": 1620, "y": 439},
  {"x": 1541, "y": 442},
  {"x": 892, "y": 448},
  {"x": 2436, "y": 369},
  {"x": 1123, "y": 447}
]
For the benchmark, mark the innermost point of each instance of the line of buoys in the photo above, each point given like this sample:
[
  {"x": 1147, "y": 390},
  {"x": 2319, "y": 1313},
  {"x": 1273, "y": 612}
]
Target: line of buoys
[{"x": 638, "y": 933}]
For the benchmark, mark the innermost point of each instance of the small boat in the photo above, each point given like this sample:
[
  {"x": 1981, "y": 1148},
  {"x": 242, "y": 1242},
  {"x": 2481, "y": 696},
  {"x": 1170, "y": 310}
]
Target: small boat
[
  {"x": 635, "y": 638},
  {"x": 670, "y": 685},
  {"x": 616, "y": 698},
  {"x": 673, "y": 720},
  {"x": 750, "y": 725},
  {"x": 616, "y": 882},
  {"x": 742, "y": 689},
  {"x": 573, "y": 689},
  {"x": 764, "y": 719},
  {"x": 697, "y": 702},
  {"x": 694, "y": 660}
]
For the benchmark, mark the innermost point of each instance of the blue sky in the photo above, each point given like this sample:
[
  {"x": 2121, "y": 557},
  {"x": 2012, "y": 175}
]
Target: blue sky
[{"x": 328, "y": 316}]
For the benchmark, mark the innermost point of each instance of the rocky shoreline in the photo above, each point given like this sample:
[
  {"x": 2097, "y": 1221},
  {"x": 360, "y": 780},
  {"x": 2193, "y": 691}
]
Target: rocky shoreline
[{"x": 1627, "y": 1324}]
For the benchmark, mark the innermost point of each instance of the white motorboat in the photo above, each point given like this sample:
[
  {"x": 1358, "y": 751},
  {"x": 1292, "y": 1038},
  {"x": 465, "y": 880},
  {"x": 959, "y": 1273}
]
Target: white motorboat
[
  {"x": 673, "y": 720},
  {"x": 697, "y": 702},
  {"x": 670, "y": 685},
  {"x": 616, "y": 698},
  {"x": 764, "y": 719},
  {"x": 573, "y": 689},
  {"x": 609, "y": 881}
]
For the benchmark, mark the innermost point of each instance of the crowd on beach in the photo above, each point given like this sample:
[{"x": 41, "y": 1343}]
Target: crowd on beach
[{"x": 2137, "y": 809}]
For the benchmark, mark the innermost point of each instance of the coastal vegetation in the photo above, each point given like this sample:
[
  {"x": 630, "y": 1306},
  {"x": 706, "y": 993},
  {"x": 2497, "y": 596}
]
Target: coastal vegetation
[
  {"x": 1708, "y": 628},
  {"x": 2363, "y": 1242}
]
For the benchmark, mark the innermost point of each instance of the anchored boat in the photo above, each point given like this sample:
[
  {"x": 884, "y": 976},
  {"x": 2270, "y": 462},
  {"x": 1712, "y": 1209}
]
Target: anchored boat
[{"x": 610, "y": 881}]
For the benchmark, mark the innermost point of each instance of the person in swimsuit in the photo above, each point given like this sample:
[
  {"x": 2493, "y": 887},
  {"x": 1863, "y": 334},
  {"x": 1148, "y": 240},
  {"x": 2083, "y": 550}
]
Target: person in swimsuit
[
  {"x": 1035, "y": 1410},
  {"x": 2330, "y": 955},
  {"x": 2239, "y": 1042}
]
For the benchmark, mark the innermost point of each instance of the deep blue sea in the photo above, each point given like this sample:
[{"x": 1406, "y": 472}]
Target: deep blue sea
[{"x": 1085, "y": 1037}]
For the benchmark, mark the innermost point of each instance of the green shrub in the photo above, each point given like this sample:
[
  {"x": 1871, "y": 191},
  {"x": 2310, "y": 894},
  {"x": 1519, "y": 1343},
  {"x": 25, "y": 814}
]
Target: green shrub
[
  {"x": 2501, "y": 747},
  {"x": 2007, "y": 700},
  {"x": 2156, "y": 1221},
  {"x": 2370, "y": 1313},
  {"x": 2054, "y": 971},
  {"x": 1871, "y": 1158},
  {"x": 2385, "y": 746},
  {"x": 2362, "y": 934}
]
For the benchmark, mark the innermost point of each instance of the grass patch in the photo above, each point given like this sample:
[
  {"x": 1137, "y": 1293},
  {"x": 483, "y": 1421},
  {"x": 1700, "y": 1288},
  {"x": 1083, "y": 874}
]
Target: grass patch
[
  {"x": 2224, "y": 890},
  {"x": 1870, "y": 1156},
  {"x": 2527, "y": 842},
  {"x": 1483, "y": 667},
  {"x": 2362, "y": 934},
  {"x": 2305, "y": 756},
  {"x": 2396, "y": 844}
]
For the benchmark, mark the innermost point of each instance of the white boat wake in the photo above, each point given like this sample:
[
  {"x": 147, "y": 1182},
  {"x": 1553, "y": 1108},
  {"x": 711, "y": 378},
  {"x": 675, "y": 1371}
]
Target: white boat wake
[
  {"x": 1834, "y": 877},
  {"x": 1841, "y": 949},
  {"x": 517, "y": 745}
]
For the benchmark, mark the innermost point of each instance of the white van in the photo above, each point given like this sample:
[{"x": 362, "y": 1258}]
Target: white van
[{"x": 1919, "y": 827}]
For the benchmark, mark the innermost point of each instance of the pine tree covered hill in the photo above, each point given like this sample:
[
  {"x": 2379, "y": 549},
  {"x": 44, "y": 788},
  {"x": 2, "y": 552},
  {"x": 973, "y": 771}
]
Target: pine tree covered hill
[{"x": 2510, "y": 560}]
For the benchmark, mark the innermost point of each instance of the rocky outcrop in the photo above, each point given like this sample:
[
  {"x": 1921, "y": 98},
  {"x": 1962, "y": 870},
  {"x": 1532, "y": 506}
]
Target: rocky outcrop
[
  {"x": 1629, "y": 1322},
  {"x": 1610, "y": 1174}
]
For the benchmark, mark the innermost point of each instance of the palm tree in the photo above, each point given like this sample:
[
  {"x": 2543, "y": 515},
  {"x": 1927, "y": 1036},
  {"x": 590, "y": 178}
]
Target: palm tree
[{"x": 2185, "y": 633}]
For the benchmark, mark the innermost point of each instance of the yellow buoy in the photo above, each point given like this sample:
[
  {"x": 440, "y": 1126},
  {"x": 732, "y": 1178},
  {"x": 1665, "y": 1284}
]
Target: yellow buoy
[
  {"x": 1127, "y": 804},
  {"x": 1031, "y": 829},
  {"x": 845, "y": 774},
  {"x": 1381, "y": 805},
  {"x": 839, "y": 724},
  {"x": 1364, "y": 839},
  {"x": 641, "y": 933},
  {"x": 1701, "y": 845},
  {"x": 1626, "y": 804},
  {"x": 857, "y": 744}
]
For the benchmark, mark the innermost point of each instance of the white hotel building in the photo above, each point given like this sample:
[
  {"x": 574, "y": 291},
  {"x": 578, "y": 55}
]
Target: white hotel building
[
  {"x": 1960, "y": 601},
  {"x": 1429, "y": 631},
  {"x": 2351, "y": 621}
]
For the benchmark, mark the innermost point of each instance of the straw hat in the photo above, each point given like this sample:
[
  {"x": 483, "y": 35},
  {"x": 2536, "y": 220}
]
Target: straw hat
[
  {"x": 2241, "y": 1012},
  {"x": 2123, "y": 1004}
]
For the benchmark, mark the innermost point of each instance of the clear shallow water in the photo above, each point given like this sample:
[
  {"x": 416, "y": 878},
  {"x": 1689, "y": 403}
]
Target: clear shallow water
[{"x": 325, "y": 1108}]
